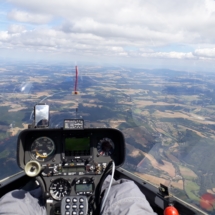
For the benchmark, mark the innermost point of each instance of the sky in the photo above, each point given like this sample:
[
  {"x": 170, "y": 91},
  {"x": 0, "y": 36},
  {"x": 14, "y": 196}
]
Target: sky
[{"x": 177, "y": 34}]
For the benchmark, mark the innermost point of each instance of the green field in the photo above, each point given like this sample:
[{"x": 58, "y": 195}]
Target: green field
[
  {"x": 191, "y": 188},
  {"x": 11, "y": 117},
  {"x": 4, "y": 154}
]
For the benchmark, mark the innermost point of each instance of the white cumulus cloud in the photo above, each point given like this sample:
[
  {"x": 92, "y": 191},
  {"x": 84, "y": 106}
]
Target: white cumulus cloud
[
  {"x": 130, "y": 29},
  {"x": 13, "y": 29},
  {"x": 175, "y": 55},
  {"x": 205, "y": 53},
  {"x": 22, "y": 16}
]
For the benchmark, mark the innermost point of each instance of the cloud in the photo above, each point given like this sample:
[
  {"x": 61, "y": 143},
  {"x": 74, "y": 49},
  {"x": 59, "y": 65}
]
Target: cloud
[
  {"x": 15, "y": 29},
  {"x": 47, "y": 40},
  {"x": 22, "y": 16},
  {"x": 141, "y": 23},
  {"x": 171, "y": 55},
  {"x": 4, "y": 36},
  {"x": 53, "y": 40},
  {"x": 119, "y": 32},
  {"x": 210, "y": 6},
  {"x": 124, "y": 28},
  {"x": 205, "y": 53}
]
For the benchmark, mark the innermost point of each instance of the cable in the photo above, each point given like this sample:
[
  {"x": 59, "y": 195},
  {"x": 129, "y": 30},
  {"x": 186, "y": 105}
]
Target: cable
[
  {"x": 111, "y": 181},
  {"x": 99, "y": 186}
]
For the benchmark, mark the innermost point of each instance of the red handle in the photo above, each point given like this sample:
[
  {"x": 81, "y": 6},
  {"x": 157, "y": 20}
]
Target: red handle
[{"x": 170, "y": 210}]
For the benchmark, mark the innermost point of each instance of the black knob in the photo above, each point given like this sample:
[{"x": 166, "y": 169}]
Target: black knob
[
  {"x": 65, "y": 160},
  {"x": 47, "y": 195}
]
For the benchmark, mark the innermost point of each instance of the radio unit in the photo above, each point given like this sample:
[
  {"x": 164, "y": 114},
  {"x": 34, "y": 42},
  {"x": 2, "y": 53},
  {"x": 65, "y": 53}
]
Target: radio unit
[{"x": 84, "y": 186}]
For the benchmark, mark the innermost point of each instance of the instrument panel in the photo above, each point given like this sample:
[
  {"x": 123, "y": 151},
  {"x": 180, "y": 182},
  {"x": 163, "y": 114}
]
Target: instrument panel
[{"x": 72, "y": 161}]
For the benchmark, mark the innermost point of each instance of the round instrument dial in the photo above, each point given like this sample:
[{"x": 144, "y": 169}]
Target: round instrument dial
[
  {"x": 42, "y": 148},
  {"x": 59, "y": 188},
  {"x": 105, "y": 147}
]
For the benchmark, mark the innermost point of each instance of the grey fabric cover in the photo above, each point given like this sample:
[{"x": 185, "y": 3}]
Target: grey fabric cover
[
  {"x": 20, "y": 202},
  {"x": 125, "y": 198}
]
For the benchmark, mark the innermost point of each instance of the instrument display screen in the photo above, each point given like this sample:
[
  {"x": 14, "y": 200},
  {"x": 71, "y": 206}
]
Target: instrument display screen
[
  {"x": 77, "y": 146},
  {"x": 84, "y": 187}
]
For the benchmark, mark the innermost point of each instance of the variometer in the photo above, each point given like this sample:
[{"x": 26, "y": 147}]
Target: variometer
[{"x": 42, "y": 148}]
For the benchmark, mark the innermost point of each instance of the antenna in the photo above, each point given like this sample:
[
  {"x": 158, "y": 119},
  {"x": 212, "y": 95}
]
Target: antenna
[{"x": 76, "y": 80}]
